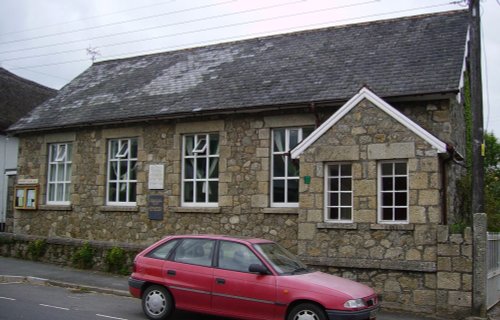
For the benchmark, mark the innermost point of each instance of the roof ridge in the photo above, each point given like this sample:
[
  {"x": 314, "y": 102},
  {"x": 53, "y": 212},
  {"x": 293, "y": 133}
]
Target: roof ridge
[
  {"x": 14, "y": 77},
  {"x": 286, "y": 34},
  {"x": 399, "y": 57}
]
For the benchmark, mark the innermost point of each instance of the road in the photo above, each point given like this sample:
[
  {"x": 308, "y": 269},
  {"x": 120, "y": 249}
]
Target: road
[
  {"x": 29, "y": 301},
  {"x": 43, "y": 302}
]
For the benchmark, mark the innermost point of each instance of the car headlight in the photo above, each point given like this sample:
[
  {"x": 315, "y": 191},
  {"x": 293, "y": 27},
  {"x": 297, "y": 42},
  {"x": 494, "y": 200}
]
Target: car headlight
[{"x": 357, "y": 303}]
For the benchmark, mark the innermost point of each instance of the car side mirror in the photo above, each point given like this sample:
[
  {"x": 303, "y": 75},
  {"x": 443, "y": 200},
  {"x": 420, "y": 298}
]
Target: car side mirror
[{"x": 258, "y": 268}]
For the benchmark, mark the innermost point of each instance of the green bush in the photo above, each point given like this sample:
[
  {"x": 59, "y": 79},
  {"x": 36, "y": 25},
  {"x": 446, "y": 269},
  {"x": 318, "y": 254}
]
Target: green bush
[
  {"x": 83, "y": 258},
  {"x": 116, "y": 261},
  {"x": 37, "y": 248},
  {"x": 458, "y": 228}
]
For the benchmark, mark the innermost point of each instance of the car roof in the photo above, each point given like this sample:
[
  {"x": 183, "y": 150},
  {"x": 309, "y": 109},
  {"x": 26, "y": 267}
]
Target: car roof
[{"x": 242, "y": 239}]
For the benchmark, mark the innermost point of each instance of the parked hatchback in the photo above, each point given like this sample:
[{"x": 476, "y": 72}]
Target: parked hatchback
[{"x": 243, "y": 278}]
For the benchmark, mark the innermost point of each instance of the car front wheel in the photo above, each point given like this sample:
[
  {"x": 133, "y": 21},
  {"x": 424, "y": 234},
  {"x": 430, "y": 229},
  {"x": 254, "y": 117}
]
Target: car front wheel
[
  {"x": 307, "y": 311},
  {"x": 157, "y": 303}
]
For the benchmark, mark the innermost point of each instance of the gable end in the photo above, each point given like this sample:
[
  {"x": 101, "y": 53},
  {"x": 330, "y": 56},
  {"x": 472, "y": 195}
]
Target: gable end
[{"x": 365, "y": 93}]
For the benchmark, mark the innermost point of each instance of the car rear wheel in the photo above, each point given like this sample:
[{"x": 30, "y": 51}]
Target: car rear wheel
[
  {"x": 157, "y": 303},
  {"x": 307, "y": 311}
]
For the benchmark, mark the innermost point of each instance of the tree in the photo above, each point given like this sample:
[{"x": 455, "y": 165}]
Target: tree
[
  {"x": 492, "y": 156},
  {"x": 492, "y": 181},
  {"x": 491, "y": 188}
]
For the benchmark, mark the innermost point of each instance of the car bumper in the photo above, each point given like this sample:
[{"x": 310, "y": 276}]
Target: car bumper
[
  {"x": 367, "y": 314},
  {"x": 135, "y": 287}
]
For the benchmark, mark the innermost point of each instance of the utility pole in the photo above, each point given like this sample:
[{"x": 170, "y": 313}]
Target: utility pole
[
  {"x": 477, "y": 108},
  {"x": 478, "y": 212}
]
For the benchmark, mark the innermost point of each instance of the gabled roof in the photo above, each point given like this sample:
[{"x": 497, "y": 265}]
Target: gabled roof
[
  {"x": 365, "y": 93},
  {"x": 18, "y": 96},
  {"x": 399, "y": 57}
]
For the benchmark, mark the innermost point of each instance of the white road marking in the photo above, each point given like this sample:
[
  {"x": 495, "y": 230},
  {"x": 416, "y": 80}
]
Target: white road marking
[
  {"x": 109, "y": 317},
  {"x": 5, "y": 298},
  {"x": 49, "y": 306}
]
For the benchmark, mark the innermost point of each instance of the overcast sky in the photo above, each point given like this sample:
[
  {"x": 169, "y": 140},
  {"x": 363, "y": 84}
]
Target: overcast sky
[{"x": 48, "y": 41}]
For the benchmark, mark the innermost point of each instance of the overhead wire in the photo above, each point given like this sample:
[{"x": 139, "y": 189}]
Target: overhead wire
[
  {"x": 116, "y": 23},
  {"x": 216, "y": 40},
  {"x": 142, "y": 30},
  {"x": 246, "y": 35},
  {"x": 86, "y": 18},
  {"x": 44, "y": 74},
  {"x": 486, "y": 84},
  {"x": 228, "y": 26},
  {"x": 268, "y": 32},
  {"x": 210, "y": 29}
]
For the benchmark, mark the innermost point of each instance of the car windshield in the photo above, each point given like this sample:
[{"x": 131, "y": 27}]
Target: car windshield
[{"x": 281, "y": 259}]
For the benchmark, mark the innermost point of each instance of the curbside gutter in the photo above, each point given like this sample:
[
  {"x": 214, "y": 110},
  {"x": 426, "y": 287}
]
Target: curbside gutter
[{"x": 62, "y": 284}]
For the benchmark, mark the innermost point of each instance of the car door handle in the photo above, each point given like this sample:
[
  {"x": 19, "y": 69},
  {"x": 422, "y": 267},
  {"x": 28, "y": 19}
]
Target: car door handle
[
  {"x": 220, "y": 281},
  {"x": 171, "y": 272}
]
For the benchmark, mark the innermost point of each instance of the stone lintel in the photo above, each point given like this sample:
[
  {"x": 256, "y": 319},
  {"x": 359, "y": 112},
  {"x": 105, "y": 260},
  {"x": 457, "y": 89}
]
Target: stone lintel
[
  {"x": 403, "y": 150},
  {"x": 199, "y": 127},
  {"x": 337, "y": 153},
  {"x": 291, "y": 120}
]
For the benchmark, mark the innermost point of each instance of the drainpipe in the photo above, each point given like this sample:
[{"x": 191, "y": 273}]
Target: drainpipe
[
  {"x": 443, "y": 161},
  {"x": 312, "y": 108},
  {"x": 451, "y": 155}
]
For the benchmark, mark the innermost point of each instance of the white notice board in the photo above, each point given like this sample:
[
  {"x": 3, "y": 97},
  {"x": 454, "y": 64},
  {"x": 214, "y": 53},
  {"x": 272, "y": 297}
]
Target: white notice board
[{"x": 156, "y": 173}]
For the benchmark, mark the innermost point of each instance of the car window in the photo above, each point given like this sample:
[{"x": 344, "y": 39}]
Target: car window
[
  {"x": 236, "y": 256},
  {"x": 162, "y": 251},
  {"x": 195, "y": 251},
  {"x": 281, "y": 259}
]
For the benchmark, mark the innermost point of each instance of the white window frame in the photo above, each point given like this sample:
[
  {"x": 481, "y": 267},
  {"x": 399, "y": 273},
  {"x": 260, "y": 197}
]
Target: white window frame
[
  {"x": 201, "y": 145},
  {"x": 380, "y": 192},
  {"x": 286, "y": 178},
  {"x": 61, "y": 160},
  {"x": 124, "y": 155},
  {"x": 339, "y": 192}
]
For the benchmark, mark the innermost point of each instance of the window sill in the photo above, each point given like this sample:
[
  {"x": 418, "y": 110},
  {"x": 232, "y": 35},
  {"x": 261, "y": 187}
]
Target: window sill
[
  {"x": 56, "y": 207},
  {"x": 280, "y": 210},
  {"x": 391, "y": 227},
  {"x": 331, "y": 225},
  {"x": 119, "y": 209},
  {"x": 197, "y": 210}
]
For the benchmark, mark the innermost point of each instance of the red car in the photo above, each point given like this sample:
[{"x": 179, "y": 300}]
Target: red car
[{"x": 243, "y": 278}]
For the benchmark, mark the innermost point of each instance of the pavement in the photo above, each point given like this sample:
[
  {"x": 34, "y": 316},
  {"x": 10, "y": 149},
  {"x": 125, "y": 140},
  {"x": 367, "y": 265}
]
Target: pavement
[{"x": 49, "y": 274}]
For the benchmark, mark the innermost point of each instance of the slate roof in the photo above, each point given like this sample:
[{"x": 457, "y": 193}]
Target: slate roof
[
  {"x": 398, "y": 57},
  {"x": 18, "y": 96}
]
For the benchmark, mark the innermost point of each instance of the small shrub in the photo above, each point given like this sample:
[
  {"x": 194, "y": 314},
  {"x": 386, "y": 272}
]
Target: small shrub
[
  {"x": 37, "y": 248},
  {"x": 83, "y": 258},
  {"x": 458, "y": 228},
  {"x": 116, "y": 260}
]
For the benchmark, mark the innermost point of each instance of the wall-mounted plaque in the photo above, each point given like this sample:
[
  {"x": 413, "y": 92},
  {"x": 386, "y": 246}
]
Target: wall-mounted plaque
[
  {"x": 156, "y": 175},
  {"x": 155, "y": 207}
]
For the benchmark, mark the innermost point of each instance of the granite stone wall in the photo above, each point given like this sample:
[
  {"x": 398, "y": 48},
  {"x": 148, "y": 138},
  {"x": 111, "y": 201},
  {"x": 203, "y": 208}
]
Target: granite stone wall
[
  {"x": 414, "y": 266},
  {"x": 417, "y": 265}
]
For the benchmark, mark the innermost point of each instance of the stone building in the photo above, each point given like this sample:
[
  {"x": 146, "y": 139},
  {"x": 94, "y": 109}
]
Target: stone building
[
  {"x": 18, "y": 97},
  {"x": 340, "y": 143}
]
